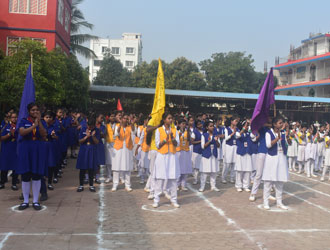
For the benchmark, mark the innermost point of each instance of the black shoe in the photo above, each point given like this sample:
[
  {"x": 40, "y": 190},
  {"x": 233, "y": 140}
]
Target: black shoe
[
  {"x": 2, "y": 186},
  {"x": 97, "y": 181},
  {"x": 36, "y": 206},
  {"x": 50, "y": 187},
  {"x": 60, "y": 171},
  {"x": 23, "y": 206},
  {"x": 86, "y": 181},
  {"x": 44, "y": 197},
  {"x": 92, "y": 189},
  {"x": 14, "y": 188},
  {"x": 59, "y": 175},
  {"x": 55, "y": 180},
  {"x": 73, "y": 157},
  {"x": 80, "y": 189}
]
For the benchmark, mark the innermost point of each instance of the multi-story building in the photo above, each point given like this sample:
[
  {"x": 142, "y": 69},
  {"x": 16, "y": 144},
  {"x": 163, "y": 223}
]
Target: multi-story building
[
  {"x": 47, "y": 21},
  {"x": 306, "y": 71},
  {"x": 127, "y": 50}
]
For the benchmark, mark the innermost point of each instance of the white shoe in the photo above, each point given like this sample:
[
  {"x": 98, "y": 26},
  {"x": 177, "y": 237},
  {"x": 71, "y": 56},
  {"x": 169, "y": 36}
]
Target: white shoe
[
  {"x": 128, "y": 189},
  {"x": 247, "y": 190},
  {"x": 313, "y": 175},
  {"x": 167, "y": 195},
  {"x": 107, "y": 180},
  {"x": 252, "y": 198},
  {"x": 176, "y": 205},
  {"x": 224, "y": 181},
  {"x": 150, "y": 197},
  {"x": 308, "y": 176},
  {"x": 155, "y": 205},
  {"x": 201, "y": 190},
  {"x": 266, "y": 207},
  {"x": 195, "y": 182},
  {"x": 239, "y": 190},
  {"x": 141, "y": 182},
  {"x": 272, "y": 198},
  {"x": 290, "y": 169},
  {"x": 299, "y": 172},
  {"x": 184, "y": 189},
  {"x": 283, "y": 207},
  {"x": 232, "y": 181},
  {"x": 114, "y": 189},
  {"x": 322, "y": 179},
  {"x": 215, "y": 189},
  {"x": 147, "y": 190}
]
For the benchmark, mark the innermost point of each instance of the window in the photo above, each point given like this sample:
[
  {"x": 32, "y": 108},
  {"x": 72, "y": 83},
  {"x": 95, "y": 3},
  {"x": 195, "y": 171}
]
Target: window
[
  {"x": 301, "y": 72},
  {"x": 129, "y": 50},
  {"x": 104, "y": 49},
  {"x": 97, "y": 63},
  {"x": 115, "y": 50},
  {"x": 129, "y": 63},
  {"x": 35, "y": 7},
  {"x": 67, "y": 20},
  {"x": 60, "y": 11},
  {"x": 12, "y": 47}
]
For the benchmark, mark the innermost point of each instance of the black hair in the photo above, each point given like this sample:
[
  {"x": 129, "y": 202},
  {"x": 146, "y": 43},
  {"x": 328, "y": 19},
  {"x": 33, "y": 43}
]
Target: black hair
[
  {"x": 50, "y": 113},
  {"x": 31, "y": 105},
  {"x": 207, "y": 123},
  {"x": 230, "y": 119},
  {"x": 196, "y": 122},
  {"x": 276, "y": 119},
  {"x": 165, "y": 115}
]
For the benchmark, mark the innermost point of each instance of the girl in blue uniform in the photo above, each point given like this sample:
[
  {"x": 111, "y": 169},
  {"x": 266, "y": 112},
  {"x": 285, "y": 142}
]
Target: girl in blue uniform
[
  {"x": 72, "y": 133},
  {"x": 196, "y": 137},
  {"x": 8, "y": 155},
  {"x": 89, "y": 137},
  {"x": 31, "y": 155},
  {"x": 100, "y": 146}
]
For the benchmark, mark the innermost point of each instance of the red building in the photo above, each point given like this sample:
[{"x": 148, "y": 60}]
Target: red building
[{"x": 47, "y": 21}]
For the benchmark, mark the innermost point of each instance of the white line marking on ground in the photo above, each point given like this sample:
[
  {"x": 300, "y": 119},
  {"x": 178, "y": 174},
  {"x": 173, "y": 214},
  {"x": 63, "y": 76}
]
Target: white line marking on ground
[
  {"x": 307, "y": 187},
  {"x": 2, "y": 243},
  {"x": 99, "y": 235},
  {"x": 311, "y": 179},
  {"x": 15, "y": 208},
  {"x": 159, "y": 210},
  {"x": 229, "y": 220},
  {"x": 310, "y": 203}
]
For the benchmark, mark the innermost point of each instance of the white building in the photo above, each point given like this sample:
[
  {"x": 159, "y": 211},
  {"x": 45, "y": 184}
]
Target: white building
[
  {"x": 306, "y": 71},
  {"x": 128, "y": 50}
]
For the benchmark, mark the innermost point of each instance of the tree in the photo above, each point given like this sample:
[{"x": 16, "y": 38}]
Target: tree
[
  {"x": 112, "y": 73},
  {"x": 77, "y": 23},
  {"x": 230, "y": 72}
]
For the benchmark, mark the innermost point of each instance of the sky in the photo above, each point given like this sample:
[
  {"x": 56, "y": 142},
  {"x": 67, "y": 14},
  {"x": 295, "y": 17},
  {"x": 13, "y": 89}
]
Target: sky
[{"x": 196, "y": 29}]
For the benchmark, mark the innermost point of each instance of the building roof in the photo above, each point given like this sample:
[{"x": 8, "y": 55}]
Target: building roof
[
  {"x": 207, "y": 94},
  {"x": 315, "y": 37},
  {"x": 303, "y": 85},
  {"x": 301, "y": 61}
]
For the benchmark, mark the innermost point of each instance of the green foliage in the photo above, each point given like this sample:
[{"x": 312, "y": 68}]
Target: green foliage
[{"x": 58, "y": 79}]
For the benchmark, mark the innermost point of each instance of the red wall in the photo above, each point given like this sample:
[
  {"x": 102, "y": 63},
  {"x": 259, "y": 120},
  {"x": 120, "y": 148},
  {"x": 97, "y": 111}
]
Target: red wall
[{"x": 41, "y": 22}]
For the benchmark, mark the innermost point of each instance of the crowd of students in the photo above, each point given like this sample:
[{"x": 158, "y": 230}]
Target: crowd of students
[{"x": 164, "y": 155}]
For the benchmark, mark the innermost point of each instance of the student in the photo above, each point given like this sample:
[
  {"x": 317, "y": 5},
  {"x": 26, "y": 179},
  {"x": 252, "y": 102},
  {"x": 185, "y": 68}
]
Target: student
[
  {"x": 292, "y": 149},
  {"x": 87, "y": 161},
  {"x": 123, "y": 155},
  {"x": 50, "y": 145},
  {"x": 100, "y": 147},
  {"x": 230, "y": 149},
  {"x": 320, "y": 149},
  {"x": 311, "y": 151},
  {"x": 243, "y": 166},
  {"x": 191, "y": 127},
  {"x": 31, "y": 155},
  {"x": 210, "y": 164},
  {"x": 184, "y": 154},
  {"x": 327, "y": 156},
  {"x": 8, "y": 154},
  {"x": 72, "y": 121},
  {"x": 301, "y": 135},
  {"x": 110, "y": 127},
  {"x": 196, "y": 137},
  {"x": 166, "y": 164},
  {"x": 276, "y": 165}
]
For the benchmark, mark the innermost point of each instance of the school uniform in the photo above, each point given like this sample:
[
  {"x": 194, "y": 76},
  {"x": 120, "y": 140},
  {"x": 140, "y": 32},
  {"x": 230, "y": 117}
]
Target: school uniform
[
  {"x": 276, "y": 167},
  {"x": 136, "y": 139},
  {"x": 320, "y": 152},
  {"x": 123, "y": 156},
  {"x": 72, "y": 133},
  {"x": 150, "y": 185},
  {"x": 8, "y": 153},
  {"x": 167, "y": 168},
  {"x": 292, "y": 152},
  {"x": 230, "y": 155},
  {"x": 301, "y": 151},
  {"x": 310, "y": 153},
  {"x": 184, "y": 159},
  {"x": 108, "y": 148},
  {"x": 243, "y": 166},
  {"x": 100, "y": 146},
  {"x": 253, "y": 151},
  {"x": 326, "y": 158},
  {"x": 144, "y": 155},
  {"x": 197, "y": 153},
  {"x": 210, "y": 162}
]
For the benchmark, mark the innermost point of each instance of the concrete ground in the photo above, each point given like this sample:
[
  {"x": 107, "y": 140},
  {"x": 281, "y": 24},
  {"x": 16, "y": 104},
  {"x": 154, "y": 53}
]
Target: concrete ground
[{"x": 209, "y": 220}]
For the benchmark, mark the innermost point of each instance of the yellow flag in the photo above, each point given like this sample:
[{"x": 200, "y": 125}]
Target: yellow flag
[{"x": 158, "y": 108}]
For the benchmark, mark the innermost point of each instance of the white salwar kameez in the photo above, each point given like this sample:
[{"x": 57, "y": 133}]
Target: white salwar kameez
[
  {"x": 196, "y": 159},
  {"x": 143, "y": 159},
  {"x": 108, "y": 151},
  {"x": 275, "y": 171},
  {"x": 229, "y": 158}
]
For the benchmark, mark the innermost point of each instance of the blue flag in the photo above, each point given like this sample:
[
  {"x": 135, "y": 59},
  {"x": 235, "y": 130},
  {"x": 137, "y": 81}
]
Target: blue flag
[{"x": 28, "y": 96}]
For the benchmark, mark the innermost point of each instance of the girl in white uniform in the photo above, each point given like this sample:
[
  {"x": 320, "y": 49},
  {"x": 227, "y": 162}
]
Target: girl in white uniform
[
  {"x": 301, "y": 136},
  {"x": 311, "y": 151},
  {"x": 327, "y": 157},
  {"x": 276, "y": 165},
  {"x": 230, "y": 149},
  {"x": 320, "y": 149},
  {"x": 184, "y": 155},
  {"x": 166, "y": 167},
  {"x": 210, "y": 164},
  {"x": 293, "y": 150},
  {"x": 108, "y": 146},
  {"x": 123, "y": 153}
]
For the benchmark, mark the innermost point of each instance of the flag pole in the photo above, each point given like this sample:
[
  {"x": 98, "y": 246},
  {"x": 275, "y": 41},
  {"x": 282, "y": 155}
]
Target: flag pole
[
  {"x": 274, "y": 109},
  {"x": 31, "y": 64}
]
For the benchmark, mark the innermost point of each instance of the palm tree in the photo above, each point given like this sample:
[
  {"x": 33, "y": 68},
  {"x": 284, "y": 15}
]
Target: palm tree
[{"x": 77, "y": 22}]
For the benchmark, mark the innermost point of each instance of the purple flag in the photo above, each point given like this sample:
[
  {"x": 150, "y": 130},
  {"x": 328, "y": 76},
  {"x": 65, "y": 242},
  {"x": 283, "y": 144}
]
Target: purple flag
[
  {"x": 28, "y": 96},
  {"x": 265, "y": 99}
]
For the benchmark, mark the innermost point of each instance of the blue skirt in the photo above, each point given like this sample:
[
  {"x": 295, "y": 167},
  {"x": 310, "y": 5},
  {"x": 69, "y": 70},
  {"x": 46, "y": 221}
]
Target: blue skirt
[
  {"x": 31, "y": 157},
  {"x": 8, "y": 156},
  {"x": 100, "y": 154},
  {"x": 63, "y": 142},
  {"x": 72, "y": 136},
  {"x": 87, "y": 157},
  {"x": 51, "y": 154}
]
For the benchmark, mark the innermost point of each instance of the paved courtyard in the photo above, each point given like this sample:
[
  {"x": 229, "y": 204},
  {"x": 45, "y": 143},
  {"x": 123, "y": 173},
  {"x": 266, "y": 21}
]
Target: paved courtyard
[{"x": 121, "y": 220}]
